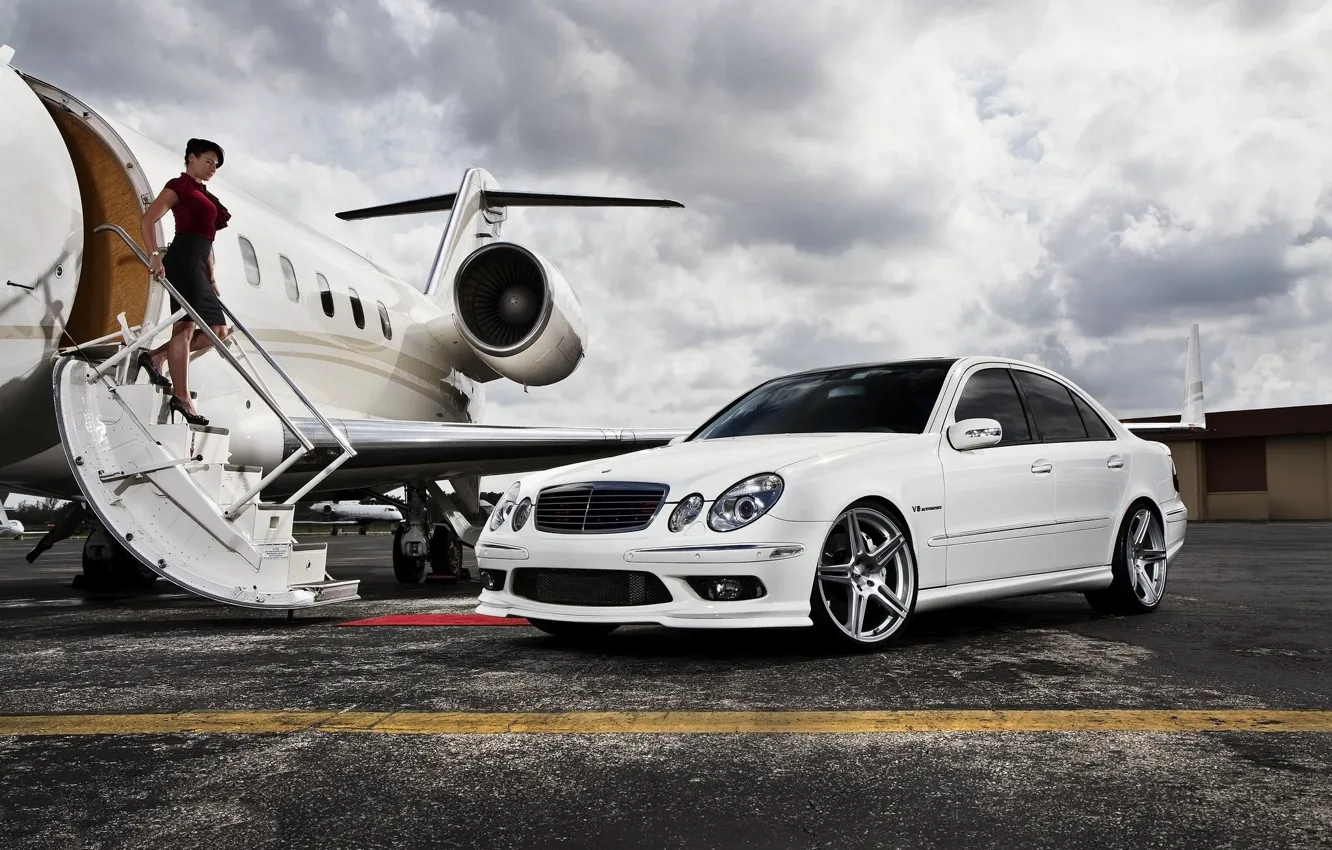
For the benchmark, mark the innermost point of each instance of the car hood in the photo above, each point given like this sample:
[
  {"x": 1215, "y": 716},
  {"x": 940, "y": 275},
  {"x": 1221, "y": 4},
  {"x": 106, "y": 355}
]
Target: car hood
[{"x": 710, "y": 466}]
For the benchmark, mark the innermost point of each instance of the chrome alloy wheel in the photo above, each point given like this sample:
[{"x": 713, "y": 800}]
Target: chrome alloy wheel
[
  {"x": 866, "y": 577},
  {"x": 1146, "y": 557}
]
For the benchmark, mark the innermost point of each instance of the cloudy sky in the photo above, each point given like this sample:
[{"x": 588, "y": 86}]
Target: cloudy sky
[{"x": 1068, "y": 182}]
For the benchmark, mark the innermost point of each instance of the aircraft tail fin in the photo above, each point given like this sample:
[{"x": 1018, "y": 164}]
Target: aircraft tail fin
[
  {"x": 1192, "y": 415},
  {"x": 476, "y": 212}
]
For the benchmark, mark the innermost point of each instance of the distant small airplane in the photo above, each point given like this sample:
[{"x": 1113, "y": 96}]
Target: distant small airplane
[
  {"x": 354, "y": 513},
  {"x": 9, "y": 527}
]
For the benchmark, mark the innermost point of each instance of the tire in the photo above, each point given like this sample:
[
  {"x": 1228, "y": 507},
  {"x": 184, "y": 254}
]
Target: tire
[
  {"x": 575, "y": 631},
  {"x": 1139, "y": 565},
  {"x": 446, "y": 552},
  {"x": 880, "y": 575},
  {"x": 406, "y": 570}
]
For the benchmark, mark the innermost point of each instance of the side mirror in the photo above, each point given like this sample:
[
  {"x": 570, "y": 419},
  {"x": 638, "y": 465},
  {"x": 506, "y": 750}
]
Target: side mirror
[{"x": 972, "y": 434}]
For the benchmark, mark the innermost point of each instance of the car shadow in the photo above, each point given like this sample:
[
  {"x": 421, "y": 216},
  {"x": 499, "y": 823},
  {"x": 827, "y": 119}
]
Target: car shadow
[{"x": 952, "y": 626}]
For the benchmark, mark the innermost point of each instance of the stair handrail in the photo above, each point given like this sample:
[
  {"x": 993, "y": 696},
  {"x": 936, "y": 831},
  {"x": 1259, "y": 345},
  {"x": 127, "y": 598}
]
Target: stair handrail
[{"x": 306, "y": 445}]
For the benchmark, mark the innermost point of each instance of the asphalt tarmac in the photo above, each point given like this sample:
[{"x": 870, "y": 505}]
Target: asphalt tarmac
[{"x": 424, "y": 736}]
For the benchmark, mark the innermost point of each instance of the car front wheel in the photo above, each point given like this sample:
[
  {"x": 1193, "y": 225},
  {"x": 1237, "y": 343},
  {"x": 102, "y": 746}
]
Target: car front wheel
[{"x": 865, "y": 585}]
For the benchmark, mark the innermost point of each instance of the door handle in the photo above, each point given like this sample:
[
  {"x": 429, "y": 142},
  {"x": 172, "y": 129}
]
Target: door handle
[
  {"x": 1115, "y": 462},
  {"x": 1041, "y": 466}
]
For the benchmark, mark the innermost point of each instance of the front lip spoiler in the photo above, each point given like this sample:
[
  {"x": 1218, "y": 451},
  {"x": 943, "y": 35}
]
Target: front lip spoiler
[{"x": 717, "y": 553}]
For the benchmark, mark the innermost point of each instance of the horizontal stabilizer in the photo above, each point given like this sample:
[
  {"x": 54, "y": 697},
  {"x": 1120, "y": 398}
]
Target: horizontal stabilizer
[{"x": 501, "y": 198}]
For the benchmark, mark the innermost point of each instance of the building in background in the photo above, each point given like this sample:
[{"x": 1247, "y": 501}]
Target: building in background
[{"x": 1265, "y": 464}]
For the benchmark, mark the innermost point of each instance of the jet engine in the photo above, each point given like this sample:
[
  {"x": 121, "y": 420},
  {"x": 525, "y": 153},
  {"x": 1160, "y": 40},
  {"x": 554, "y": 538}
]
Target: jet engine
[{"x": 519, "y": 314}]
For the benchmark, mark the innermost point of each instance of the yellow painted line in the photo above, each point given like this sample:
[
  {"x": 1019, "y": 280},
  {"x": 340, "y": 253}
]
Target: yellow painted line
[{"x": 666, "y": 722}]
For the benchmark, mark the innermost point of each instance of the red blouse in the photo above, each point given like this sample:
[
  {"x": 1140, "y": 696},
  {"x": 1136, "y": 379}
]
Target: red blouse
[{"x": 197, "y": 210}]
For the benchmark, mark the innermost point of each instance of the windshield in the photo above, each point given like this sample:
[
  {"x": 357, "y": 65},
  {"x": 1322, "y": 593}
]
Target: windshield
[{"x": 893, "y": 398}]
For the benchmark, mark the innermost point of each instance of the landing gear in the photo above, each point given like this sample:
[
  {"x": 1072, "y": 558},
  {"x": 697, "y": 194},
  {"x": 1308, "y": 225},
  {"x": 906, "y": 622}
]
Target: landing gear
[
  {"x": 108, "y": 565},
  {"x": 446, "y": 555},
  {"x": 411, "y": 543},
  {"x": 422, "y": 540}
]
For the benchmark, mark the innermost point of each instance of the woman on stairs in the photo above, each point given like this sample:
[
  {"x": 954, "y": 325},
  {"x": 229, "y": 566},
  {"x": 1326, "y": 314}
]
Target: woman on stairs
[{"x": 189, "y": 267}]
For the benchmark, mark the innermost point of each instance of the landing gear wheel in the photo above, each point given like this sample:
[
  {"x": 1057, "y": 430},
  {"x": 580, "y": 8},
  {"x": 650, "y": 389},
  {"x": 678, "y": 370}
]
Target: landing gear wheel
[
  {"x": 446, "y": 554},
  {"x": 408, "y": 570},
  {"x": 1139, "y": 566},
  {"x": 574, "y": 631},
  {"x": 865, "y": 584},
  {"x": 109, "y": 566}
]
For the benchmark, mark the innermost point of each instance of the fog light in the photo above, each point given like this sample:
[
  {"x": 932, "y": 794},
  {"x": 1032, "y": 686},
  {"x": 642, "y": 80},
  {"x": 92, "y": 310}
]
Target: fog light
[
  {"x": 725, "y": 589},
  {"x": 492, "y": 579}
]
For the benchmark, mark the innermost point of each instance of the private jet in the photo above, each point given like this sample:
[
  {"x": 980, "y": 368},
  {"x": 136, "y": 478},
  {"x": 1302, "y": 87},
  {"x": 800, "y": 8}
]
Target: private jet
[{"x": 338, "y": 379}]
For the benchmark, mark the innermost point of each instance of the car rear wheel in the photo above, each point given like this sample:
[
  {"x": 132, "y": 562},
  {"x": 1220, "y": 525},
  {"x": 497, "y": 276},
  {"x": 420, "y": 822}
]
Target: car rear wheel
[
  {"x": 865, "y": 584},
  {"x": 1139, "y": 566}
]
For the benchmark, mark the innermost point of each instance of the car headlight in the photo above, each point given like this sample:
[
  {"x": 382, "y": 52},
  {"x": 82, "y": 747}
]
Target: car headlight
[
  {"x": 686, "y": 512},
  {"x": 506, "y": 505},
  {"x": 520, "y": 515},
  {"x": 745, "y": 502}
]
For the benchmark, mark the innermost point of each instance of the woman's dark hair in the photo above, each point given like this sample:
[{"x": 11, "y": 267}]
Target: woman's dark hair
[{"x": 198, "y": 147}]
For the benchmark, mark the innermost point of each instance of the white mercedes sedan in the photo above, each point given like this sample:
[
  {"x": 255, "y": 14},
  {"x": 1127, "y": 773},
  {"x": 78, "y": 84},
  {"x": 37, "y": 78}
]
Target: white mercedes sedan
[{"x": 846, "y": 500}]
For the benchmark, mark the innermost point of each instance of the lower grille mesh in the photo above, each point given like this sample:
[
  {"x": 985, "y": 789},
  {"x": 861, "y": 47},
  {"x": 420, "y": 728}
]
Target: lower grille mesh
[{"x": 589, "y": 587}]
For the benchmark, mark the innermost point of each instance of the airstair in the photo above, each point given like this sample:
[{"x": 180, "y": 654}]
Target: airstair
[{"x": 165, "y": 490}]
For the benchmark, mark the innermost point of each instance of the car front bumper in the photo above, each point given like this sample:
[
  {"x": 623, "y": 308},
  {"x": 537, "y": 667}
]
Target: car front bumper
[{"x": 780, "y": 554}]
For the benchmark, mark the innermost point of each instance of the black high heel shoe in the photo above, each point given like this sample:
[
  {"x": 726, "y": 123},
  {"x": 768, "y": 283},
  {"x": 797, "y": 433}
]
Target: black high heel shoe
[
  {"x": 154, "y": 376},
  {"x": 179, "y": 406}
]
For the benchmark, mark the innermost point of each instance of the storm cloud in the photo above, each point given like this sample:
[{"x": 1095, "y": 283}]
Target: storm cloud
[{"x": 1074, "y": 183}]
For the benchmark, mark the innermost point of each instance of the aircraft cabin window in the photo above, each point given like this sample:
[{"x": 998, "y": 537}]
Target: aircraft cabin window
[
  {"x": 250, "y": 259},
  {"x": 384, "y": 324},
  {"x": 289, "y": 275},
  {"x": 990, "y": 394},
  {"x": 1051, "y": 407},
  {"x": 325, "y": 296},
  {"x": 358, "y": 314}
]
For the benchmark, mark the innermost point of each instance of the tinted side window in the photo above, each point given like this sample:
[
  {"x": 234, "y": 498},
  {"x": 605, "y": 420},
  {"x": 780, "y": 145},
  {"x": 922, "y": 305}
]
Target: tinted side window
[
  {"x": 289, "y": 276},
  {"x": 1096, "y": 427},
  {"x": 325, "y": 296},
  {"x": 1051, "y": 407},
  {"x": 384, "y": 324},
  {"x": 990, "y": 394},
  {"x": 250, "y": 261}
]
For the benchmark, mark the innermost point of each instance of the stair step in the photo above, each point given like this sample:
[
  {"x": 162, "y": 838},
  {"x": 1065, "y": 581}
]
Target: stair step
[
  {"x": 307, "y": 564},
  {"x": 236, "y": 481},
  {"x": 211, "y": 445},
  {"x": 334, "y": 590},
  {"x": 266, "y": 522}
]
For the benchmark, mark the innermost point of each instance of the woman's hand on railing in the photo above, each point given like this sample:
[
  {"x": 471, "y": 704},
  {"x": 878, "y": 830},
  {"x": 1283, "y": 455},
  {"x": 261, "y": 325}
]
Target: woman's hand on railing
[{"x": 155, "y": 266}]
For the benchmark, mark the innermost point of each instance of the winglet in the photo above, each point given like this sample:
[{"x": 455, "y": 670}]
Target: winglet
[{"x": 1192, "y": 416}]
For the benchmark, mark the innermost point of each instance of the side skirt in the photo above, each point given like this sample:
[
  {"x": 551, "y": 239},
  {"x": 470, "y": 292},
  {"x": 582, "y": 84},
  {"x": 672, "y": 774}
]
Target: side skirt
[{"x": 1085, "y": 578}]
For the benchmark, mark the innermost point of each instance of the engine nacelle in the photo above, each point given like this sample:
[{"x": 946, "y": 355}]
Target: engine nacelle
[{"x": 519, "y": 314}]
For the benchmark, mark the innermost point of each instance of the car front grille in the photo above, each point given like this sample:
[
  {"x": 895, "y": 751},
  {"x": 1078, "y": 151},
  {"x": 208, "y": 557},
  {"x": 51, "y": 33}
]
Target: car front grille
[
  {"x": 589, "y": 587},
  {"x": 603, "y": 507}
]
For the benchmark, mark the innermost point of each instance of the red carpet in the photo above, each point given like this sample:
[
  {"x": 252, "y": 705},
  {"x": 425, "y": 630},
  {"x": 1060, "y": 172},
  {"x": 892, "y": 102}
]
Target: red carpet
[{"x": 438, "y": 620}]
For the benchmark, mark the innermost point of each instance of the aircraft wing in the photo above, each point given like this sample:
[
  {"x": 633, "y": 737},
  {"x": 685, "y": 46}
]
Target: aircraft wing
[{"x": 389, "y": 452}]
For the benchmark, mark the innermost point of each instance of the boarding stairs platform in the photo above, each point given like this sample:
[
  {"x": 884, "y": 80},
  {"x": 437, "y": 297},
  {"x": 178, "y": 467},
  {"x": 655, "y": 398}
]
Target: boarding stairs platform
[{"x": 164, "y": 488}]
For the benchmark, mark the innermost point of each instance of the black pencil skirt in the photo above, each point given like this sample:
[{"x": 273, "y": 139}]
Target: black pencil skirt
[{"x": 186, "y": 266}]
